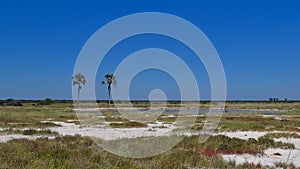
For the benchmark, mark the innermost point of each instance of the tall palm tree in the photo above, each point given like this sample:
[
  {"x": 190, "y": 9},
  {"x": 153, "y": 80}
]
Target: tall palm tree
[
  {"x": 110, "y": 79},
  {"x": 79, "y": 80}
]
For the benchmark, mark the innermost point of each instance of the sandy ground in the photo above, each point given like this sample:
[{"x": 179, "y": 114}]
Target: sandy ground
[
  {"x": 106, "y": 133},
  {"x": 270, "y": 157},
  {"x": 7, "y": 137}
]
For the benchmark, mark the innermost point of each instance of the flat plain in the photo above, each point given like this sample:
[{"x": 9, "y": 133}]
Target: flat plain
[{"x": 254, "y": 135}]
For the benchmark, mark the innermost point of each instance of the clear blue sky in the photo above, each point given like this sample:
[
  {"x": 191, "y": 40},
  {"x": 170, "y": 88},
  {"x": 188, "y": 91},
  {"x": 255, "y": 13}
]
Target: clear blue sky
[{"x": 258, "y": 42}]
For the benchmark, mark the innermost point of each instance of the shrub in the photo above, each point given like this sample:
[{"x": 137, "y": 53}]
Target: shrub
[
  {"x": 270, "y": 143},
  {"x": 39, "y": 132},
  {"x": 47, "y": 101},
  {"x": 130, "y": 124},
  {"x": 9, "y": 100},
  {"x": 14, "y": 103},
  {"x": 29, "y": 132}
]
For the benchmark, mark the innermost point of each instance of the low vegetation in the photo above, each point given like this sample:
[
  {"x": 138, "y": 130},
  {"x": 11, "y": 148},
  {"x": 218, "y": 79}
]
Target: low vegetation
[
  {"x": 225, "y": 145},
  {"x": 31, "y": 116},
  {"x": 82, "y": 152},
  {"x": 129, "y": 124},
  {"x": 282, "y": 135},
  {"x": 29, "y": 132},
  {"x": 256, "y": 122}
]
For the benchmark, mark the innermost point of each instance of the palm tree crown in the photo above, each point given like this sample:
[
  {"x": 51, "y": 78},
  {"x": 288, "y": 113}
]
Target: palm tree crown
[
  {"x": 110, "y": 79},
  {"x": 79, "y": 80}
]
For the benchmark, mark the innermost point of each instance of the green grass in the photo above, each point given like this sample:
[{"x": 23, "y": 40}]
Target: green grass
[
  {"x": 166, "y": 120},
  {"x": 291, "y": 112},
  {"x": 282, "y": 135},
  {"x": 284, "y": 165},
  {"x": 30, "y": 116},
  {"x": 225, "y": 144},
  {"x": 129, "y": 124},
  {"x": 29, "y": 132},
  {"x": 115, "y": 119},
  {"x": 82, "y": 152},
  {"x": 160, "y": 127},
  {"x": 23, "y": 125},
  {"x": 256, "y": 122},
  {"x": 39, "y": 132}
]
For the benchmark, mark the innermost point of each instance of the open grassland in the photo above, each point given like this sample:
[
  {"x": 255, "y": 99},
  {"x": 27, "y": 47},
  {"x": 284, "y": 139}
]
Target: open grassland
[
  {"x": 31, "y": 115},
  {"x": 81, "y": 152},
  {"x": 51, "y": 149}
]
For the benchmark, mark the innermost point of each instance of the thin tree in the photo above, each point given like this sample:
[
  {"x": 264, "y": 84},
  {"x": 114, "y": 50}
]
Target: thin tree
[
  {"x": 110, "y": 79},
  {"x": 79, "y": 80}
]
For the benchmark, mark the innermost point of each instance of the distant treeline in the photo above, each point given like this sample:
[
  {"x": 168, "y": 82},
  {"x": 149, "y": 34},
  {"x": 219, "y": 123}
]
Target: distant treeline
[
  {"x": 48, "y": 101},
  {"x": 36, "y": 101},
  {"x": 20, "y": 102}
]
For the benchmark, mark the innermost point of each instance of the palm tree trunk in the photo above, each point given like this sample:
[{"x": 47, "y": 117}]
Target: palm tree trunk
[
  {"x": 78, "y": 94},
  {"x": 109, "y": 89}
]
